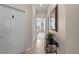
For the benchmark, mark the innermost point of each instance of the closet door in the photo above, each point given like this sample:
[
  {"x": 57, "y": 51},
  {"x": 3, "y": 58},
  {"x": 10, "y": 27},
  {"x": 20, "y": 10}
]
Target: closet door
[
  {"x": 5, "y": 29},
  {"x": 18, "y": 31}
]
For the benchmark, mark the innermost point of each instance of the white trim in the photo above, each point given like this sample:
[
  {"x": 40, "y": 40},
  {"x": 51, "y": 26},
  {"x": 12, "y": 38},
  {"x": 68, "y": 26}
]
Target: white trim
[
  {"x": 33, "y": 44},
  {"x": 30, "y": 47},
  {"x": 5, "y": 5}
]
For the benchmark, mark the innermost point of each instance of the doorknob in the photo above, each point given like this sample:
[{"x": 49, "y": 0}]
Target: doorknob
[{"x": 13, "y": 16}]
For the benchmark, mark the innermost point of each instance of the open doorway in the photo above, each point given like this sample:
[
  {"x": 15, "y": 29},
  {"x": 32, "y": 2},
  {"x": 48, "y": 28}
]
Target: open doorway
[{"x": 40, "y": 28}]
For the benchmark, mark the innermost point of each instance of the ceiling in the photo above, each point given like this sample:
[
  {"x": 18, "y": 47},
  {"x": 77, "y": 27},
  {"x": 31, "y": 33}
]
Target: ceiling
[{"x": 41, "y": 8}]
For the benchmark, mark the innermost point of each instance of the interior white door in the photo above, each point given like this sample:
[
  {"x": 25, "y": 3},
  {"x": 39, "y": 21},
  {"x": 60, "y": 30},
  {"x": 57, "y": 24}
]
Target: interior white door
[
  {"x": 18, "y": 32},
  {"x": 12, "y": 30},
  {"x": 5, "y": 25}
]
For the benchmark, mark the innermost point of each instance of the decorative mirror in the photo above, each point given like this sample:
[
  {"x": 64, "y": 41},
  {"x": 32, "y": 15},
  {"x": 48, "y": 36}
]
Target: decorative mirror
[{"x": 54, "y": 19}]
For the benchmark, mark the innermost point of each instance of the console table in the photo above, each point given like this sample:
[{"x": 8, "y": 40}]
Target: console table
[{"x": 51, "y": 48}]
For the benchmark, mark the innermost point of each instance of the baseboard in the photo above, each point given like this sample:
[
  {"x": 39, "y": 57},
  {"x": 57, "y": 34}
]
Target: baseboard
[
  {"x": 30, "y": 48},
  {"x": 23, "y": 52}
]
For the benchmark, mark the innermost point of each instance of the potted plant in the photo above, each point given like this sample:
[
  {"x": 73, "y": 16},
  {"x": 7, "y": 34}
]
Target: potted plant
[{"x": 50, "y": 37}]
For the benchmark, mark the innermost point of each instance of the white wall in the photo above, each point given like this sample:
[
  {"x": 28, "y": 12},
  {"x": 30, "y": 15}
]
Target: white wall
[{"x": 29, "y": 26}]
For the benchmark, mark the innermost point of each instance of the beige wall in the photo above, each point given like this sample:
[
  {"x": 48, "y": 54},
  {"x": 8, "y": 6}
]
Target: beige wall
[
  {"x": 34, "y": 31},
  {"x": 72, "y": 29},
  {"x": 61, "y": 28},
  {"x": 68, "y": 34}
]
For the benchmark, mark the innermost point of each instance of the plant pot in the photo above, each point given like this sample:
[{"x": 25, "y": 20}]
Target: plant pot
[{"x": 51, "y": 41}]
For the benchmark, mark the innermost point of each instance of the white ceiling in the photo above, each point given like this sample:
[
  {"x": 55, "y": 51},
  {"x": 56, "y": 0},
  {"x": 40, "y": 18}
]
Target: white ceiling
[{"x": 42, "y": 8}]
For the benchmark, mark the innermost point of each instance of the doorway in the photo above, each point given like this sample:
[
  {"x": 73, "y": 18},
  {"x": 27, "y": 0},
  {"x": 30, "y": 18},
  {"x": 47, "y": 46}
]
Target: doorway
[{"x": 40, "y": 28}]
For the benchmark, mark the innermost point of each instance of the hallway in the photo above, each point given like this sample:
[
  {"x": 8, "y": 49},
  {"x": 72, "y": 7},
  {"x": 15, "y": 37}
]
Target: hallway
[{"x": 25, "y": 27}]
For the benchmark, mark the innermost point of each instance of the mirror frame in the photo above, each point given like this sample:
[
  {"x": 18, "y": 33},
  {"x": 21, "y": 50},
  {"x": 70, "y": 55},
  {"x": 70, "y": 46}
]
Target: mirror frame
[{"x": 55, "y": 11}]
